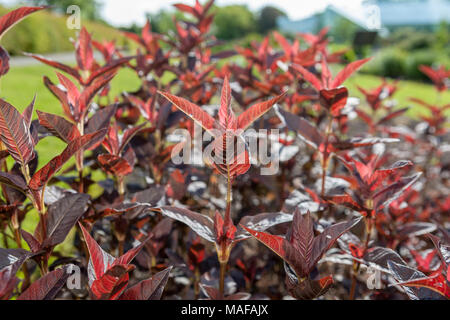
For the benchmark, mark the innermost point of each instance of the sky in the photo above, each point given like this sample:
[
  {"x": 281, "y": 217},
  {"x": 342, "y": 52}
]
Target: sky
[{"x": 125, "y": 12}]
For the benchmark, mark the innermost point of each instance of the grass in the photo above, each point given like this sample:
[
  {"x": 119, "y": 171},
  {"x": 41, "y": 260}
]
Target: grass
[
  {"x": 406, "y": 89},
  {"x": 20, "y": 85}
]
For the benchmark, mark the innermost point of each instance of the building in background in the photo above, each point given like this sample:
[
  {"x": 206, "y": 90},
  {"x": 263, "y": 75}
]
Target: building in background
[
  {"x": 420, "y": 14},
  {"x": 380, "y": 15}
]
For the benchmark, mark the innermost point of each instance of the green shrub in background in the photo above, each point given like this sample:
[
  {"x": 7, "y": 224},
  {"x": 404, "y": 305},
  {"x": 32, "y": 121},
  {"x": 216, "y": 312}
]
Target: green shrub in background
[
  {"x": 397, "y": 63},
  {"x": 415, "y": 59},
  {"x": 388, "y": 63},
  {"x": 46, "y": 32},
  {"x": 232, "y": 22}
]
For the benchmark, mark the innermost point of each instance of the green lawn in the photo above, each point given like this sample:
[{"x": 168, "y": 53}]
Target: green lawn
[
  {"x": 406, "y": 89},
  {"x": 20, "y": 85}
]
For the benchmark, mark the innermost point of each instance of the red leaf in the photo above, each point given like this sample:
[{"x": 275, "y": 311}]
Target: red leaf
[
  {"x": 129, "y": 134},
  {"x": 308, "y": 76},
  {"x": 283, "y": 43},
  {"x": 200, "y": 116},
  {"x": 347, "y": 72},
  {"x": 8, "y": 20},
  {"x": 199, "y": 223},
  {"x": 111, "y": 66},
  {"x": 227, "y": 118},
  {"x": 307, "y": 131},
  {"x": 65, "y": 68},
  {"x": 4, "y": 61},
  {"x": 256, "y": 111},
  {"x": 85, "y": 54},
  {"x": 27, "y": 114},
  {"x": 277, "y": 244},
  {"x": 47, "y": 287},
  {"x": 15, "y": 134},
  {"x": 115, "y": 165},
  {"x": 93, "y": 88},
  {"x": 150, "y": 289},
  {"x": 61, "y": 95},
  {"x": 112, "y": 283},
  {"x": 333, "y": 100},
  {"x": 41, "y": 177},
  {"x": 186, "y": 8},
  {"x": 58, "y": 126},
  {"x": 99, "y": 260},
  {"x": 73, "y": 94}
]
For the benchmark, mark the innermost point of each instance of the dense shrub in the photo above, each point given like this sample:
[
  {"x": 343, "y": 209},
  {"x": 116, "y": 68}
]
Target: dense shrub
[{"x": 344, "y": 187}]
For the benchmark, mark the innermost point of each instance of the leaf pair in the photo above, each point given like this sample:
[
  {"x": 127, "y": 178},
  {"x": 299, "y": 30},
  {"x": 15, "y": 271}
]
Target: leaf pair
[
  {"x": 224, "y": 234},
  {"x": 301, "y": 249},
  {"x": 375, "y": 188},
  {"x": 229, "y": 161},
  {"x": 331, "y": 96},
  {"x": 121, "y": 158},
  {"x": 108, "y": 276},
  {"x": 76, "y": 103}
]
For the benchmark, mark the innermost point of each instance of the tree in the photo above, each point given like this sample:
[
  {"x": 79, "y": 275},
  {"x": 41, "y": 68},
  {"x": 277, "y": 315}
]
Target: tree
[
  {"x": 90, "y": 9},
  {"x": 267, "y": 19},
  {"x": 163, "y": 20},
  {"x": 234, "y": 22}
]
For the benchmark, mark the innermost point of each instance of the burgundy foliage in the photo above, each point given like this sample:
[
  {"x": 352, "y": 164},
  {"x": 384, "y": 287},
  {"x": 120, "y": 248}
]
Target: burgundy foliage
[{"x": 360, "y": 185}]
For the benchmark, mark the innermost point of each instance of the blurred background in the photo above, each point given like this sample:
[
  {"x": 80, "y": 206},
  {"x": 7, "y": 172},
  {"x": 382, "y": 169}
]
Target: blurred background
[{"x": 401, "y": 34}]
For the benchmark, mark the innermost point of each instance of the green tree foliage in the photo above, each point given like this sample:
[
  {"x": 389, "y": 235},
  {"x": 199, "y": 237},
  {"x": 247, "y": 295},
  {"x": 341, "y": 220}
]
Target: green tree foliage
[
  {"x": 163, "y": 21},
  {"x": 90, "y": 9},
  {"x": 267, "y": 19},
  {"x": 234, "y": 22}
]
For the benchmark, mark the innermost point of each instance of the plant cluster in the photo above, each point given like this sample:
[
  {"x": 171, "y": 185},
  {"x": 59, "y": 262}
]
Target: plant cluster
[{"x": 360, "y": 187}]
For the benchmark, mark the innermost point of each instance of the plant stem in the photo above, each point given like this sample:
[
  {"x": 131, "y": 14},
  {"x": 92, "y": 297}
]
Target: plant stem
[
  {"x": 121, "y": 186},
  {"x": 356, "y": 265},
  {"x": 223, "y": 257},
  {"x": 229, "y": 190},
  {"x": 121, "y": 247},
  {"x": 223, "y": 269},
  {"x": 325, "y": 156}
]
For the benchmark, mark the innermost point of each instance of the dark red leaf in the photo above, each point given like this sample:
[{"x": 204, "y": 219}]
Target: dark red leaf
[
  {"x": 58, "y": 126},
  {"x": 8, "y": 20},
  {"x": 47, "y": 287},
  {"x": 15, "y": 134},
  {"x": 199, "y": 223},
  {"x": 62, "y": 216},
  {"x": 150, "y": 289},
  {"x": 85, "y": 54},
  {"x": 256, "y": 111},
  {"x": 347, "y": 72},
  {"x": 197, "y": 114},
  {"x": 41, "y": 177}
]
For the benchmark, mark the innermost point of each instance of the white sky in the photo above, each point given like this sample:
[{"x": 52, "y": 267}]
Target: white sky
[{"x": 125, "y": 12}]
